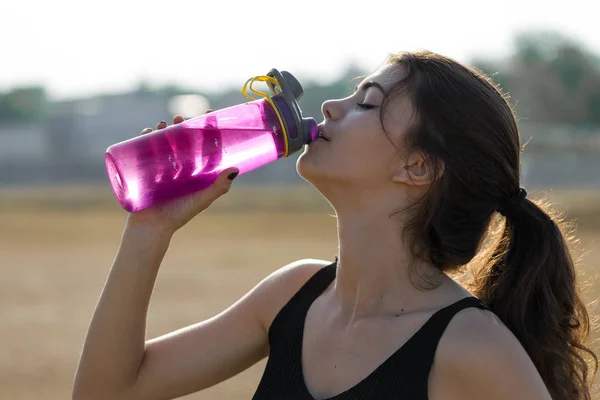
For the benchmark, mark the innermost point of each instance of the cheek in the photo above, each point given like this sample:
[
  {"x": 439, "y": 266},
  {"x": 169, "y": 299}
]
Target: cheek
[
  {"x": 365, "y": 146},
  {"x": 369, "y": 158},
  {"x": 361, "y": 154},
  {"x": 365, "y": 160}
]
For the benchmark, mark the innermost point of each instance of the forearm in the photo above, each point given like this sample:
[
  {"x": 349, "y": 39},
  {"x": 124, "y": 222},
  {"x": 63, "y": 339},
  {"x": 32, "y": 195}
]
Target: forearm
[{"x": 114, "y": 346}]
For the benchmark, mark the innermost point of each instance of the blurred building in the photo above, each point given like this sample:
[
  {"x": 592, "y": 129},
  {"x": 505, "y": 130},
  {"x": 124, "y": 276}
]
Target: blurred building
[{"x": 69, "y": 145}]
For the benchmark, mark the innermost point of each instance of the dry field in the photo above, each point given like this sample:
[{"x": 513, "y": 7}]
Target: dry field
[{"x": 56, "y": 247}]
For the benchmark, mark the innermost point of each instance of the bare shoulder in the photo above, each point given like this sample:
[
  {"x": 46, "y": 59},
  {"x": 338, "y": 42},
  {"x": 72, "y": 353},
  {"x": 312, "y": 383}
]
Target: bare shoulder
[
  {"x": 479, "y": 357},
  {"x": 280, "y": 286}
]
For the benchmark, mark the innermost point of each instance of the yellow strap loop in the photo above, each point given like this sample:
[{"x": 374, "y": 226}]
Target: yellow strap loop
[{"x": 268, "y": 79}]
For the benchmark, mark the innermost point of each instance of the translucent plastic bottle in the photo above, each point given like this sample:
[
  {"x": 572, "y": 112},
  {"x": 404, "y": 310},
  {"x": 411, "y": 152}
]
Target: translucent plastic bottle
[{"x": 187, "y": 157}]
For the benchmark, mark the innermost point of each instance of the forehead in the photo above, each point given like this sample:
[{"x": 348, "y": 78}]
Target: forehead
[{"x": 386, "y": 76}]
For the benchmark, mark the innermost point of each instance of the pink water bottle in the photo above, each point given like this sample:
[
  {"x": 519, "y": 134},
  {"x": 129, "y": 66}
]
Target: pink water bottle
[{"x": 187, "y": 157}]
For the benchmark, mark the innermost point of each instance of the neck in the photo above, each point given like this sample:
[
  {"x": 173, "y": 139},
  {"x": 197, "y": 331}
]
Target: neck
[{"x": 373, "y": 276}]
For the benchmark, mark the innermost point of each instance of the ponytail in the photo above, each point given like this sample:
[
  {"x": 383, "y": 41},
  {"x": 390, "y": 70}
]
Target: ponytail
[
  {"x": 463, "y": 121},
  {"x": 530, "y": 284}
]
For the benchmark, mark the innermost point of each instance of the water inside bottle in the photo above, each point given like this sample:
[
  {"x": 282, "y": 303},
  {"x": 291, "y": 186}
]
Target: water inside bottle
[{"x": 180, "y": 160}]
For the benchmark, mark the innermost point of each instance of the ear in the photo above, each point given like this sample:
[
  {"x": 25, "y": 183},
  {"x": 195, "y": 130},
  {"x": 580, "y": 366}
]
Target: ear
[{"x": 418, "y": 170}]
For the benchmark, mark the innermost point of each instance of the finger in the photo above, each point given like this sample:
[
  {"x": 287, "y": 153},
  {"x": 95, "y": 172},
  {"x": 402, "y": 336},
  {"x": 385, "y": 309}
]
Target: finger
[
  {"x": 227, "y": 176},
  {"x": 220, "y": 186},
  {"x": 146, "y": 130},
  {"x": 161, "y": 125},
  {"x": 224, "y": 180},
  {"x": 178, "y": 119}
]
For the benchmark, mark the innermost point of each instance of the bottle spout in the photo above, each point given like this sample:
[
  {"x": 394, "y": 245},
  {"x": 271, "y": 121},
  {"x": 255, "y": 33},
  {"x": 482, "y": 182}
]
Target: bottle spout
[{"x": 312, "y": 129}]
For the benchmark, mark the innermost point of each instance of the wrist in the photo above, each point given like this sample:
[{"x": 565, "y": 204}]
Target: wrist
[
  {"x": 143, "y": 247},
  {"x": 147, "y": 232}
]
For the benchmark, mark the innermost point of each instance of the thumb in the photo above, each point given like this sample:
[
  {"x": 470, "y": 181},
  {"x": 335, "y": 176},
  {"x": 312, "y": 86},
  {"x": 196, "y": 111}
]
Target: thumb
[
  {"x": 221, "y": 185},
  {"x": 224, "y": 180}
]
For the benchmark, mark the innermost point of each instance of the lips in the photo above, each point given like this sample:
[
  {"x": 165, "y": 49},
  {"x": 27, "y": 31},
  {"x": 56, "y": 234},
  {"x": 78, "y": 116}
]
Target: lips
[{"x": 323, "y": 134}]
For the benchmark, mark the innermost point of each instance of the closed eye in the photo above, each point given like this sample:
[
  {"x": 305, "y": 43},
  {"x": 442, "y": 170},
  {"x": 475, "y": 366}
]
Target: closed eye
[{"x": 366, "y": 106}]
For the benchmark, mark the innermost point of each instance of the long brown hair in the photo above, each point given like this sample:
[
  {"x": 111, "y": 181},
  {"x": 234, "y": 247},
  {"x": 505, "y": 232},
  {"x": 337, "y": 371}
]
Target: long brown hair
[{"x": 464, "y": 122}]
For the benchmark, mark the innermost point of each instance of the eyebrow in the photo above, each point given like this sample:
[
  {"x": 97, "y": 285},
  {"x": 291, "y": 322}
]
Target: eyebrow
[{"x": 369, "y": 84}]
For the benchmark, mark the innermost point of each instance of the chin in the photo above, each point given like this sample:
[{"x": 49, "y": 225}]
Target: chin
[
  {"x": 307, "y": 168},
  {"x": 316, "y": 174}
]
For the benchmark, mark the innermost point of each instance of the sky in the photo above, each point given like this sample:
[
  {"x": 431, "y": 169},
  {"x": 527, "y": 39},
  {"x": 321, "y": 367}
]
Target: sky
[{"x": 81, "y": 48}]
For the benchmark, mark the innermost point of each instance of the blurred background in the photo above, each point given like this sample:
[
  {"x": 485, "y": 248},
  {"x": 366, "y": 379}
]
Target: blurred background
[{"x": 77, "y": 77}]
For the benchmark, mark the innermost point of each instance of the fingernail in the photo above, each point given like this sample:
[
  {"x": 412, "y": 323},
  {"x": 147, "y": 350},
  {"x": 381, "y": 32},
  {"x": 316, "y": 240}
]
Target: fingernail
[
  {"x": 163, "y": 122},
  {"x": 232, "y": 175}
]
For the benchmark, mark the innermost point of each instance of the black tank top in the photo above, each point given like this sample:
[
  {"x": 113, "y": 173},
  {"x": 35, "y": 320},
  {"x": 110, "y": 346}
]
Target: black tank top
[{"x": 403, "y": 375}]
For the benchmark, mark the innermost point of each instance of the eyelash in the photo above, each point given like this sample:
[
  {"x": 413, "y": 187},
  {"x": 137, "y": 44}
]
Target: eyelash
[{"x": 365, "y": 106}]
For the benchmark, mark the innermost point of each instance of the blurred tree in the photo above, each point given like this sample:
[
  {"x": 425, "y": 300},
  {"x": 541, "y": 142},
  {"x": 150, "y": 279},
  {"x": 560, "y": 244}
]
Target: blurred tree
[
  {"x": 551, "y": 77},
  {"x": 23, "y": 104},
  {"x": 173, "y": 90},
  {"x": 143, "y": 87}
]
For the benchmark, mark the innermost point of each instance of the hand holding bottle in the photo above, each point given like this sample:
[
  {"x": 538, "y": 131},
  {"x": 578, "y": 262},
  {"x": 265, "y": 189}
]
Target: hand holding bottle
[{"x": 168, "y": 217}]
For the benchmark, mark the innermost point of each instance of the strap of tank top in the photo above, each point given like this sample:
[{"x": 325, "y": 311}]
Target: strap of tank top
[
  {"x": 420, "y": 350},
  {"x": 434, "y": 328},
  {"x": 293, "y": 313}
]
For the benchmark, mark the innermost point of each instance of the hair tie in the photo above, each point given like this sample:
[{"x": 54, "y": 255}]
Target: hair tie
[
  {"x": 509, "y": 207},
  {"x": 520, "y": 195}
]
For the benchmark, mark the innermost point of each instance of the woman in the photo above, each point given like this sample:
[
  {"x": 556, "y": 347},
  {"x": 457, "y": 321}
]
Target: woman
[{"x": 419, "y": 164}]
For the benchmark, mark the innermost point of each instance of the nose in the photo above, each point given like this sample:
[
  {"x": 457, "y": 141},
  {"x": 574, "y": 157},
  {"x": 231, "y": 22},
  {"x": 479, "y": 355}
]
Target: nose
[{"x": 330, "y": 109}]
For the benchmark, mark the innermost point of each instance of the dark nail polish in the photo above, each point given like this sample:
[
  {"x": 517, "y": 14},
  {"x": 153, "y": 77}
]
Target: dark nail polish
[
  {"x": 232, "y": 175},
  {"x": 163, "y": 122}
]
